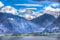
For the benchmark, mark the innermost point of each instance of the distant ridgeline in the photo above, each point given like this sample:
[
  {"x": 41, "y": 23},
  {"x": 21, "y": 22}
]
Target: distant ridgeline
[{"x": 13, "y": 24}]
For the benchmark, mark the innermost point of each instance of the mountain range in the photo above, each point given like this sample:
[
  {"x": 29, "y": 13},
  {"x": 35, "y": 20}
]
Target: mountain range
[{"x": 13, "y": 24}]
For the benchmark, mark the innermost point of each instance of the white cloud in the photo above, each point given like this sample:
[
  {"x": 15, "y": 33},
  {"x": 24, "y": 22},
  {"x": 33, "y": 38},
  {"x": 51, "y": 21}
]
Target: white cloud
[
  {"x": 1, "y": 4},
  {"x": 55, "y": 4},
  {"x": 9, "y": 9},
  {"x": 22, "y": 10},
  {"x": 28, "y": 16},
  {"x": 52, "y": 11},
  {"x": 28, "y": 5},
  {"x": 50, "y": 8},
  {"x": 25, "y": 10}
]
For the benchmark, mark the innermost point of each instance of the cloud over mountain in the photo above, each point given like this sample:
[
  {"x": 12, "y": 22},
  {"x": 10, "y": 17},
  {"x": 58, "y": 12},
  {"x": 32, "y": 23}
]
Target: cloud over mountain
[{"x": 8, "y": 9}]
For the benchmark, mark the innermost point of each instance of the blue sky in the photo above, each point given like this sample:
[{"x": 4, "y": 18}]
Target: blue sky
[{"x": 14, "y": 2}]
